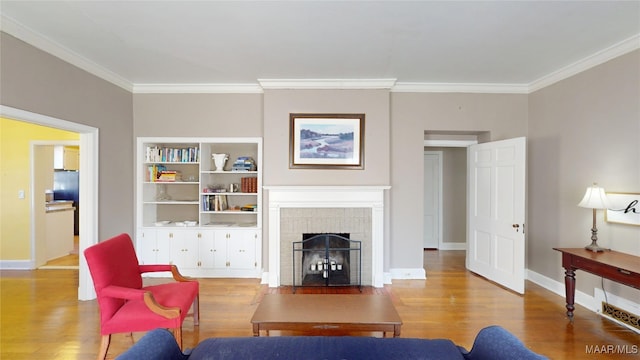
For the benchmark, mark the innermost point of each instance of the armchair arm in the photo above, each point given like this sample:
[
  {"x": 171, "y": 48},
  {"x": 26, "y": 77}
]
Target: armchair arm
[
  {"x": 123, "y": 292},
  {"x": 153, "y": 305},
  {"x": 156, "y": 268},
  {"x": 146, "y": 296}
]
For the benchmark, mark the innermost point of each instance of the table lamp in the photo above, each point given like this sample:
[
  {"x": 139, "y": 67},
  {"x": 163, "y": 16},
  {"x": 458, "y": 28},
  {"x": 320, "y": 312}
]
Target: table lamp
[{"x": 594, "y": 198}]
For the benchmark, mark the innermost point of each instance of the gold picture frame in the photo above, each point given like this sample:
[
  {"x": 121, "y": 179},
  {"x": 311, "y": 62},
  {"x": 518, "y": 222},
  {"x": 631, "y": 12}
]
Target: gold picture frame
[{"x": 326, "y": 141}]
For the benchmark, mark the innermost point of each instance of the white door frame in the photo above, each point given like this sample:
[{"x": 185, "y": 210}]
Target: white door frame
[
  {"x": 439, "y": 191},
  {"x": 446, "y": 143},
  {"x": 88, "y": 186}
]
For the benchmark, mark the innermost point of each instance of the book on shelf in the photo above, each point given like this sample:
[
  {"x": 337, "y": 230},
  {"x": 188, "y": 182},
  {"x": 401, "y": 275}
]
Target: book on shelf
[
  {"x": 168, "y": 176},
  {"x": 214, "y": 203},
  {"x": 154, "y": 171},
  {"x": 249, "y": 184},
  {"x": 249, "y": 207},
  {"x": 154, "y": 153},
  {"x": 244, "y": 163}
]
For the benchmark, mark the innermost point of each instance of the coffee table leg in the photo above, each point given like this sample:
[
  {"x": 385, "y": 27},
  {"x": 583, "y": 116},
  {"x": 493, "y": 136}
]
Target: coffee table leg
[
  {"x": 396, "y": 330},
  {"x": 256, "y": 329}
]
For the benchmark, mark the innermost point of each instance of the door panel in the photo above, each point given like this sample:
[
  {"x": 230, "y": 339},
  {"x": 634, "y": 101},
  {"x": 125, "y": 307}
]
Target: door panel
[{"x": 496, "y": 241}]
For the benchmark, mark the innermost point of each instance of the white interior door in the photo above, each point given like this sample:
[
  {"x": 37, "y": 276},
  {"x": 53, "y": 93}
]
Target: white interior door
[
  {"x": 432, "y": 208},
  {"x": 496, "y": 211}
]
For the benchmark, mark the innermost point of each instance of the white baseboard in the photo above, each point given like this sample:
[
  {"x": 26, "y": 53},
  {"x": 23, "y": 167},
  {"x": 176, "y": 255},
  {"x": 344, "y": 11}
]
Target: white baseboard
[
  {"x": 408, "y": 274},
  {"x": 593, "y": 303},
  {"x": 16, "y": 265},
  {"x": 557, "y": 287},
  {"x": 453, "y": 246},
  {"x": 386, "y": 278}
]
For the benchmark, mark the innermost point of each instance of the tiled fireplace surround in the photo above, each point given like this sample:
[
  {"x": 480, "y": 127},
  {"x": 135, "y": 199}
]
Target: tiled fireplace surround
[{"x": 294, "y": 210}]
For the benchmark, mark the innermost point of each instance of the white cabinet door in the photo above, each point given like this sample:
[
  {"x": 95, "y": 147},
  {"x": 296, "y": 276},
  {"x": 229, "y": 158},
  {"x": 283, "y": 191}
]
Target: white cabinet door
[
  {"x": 163, "y": 248},
  {"x": 152, "y": 248},
  {"x": 146, "y": 246},
  {"x": 233, "y": 249},
  {"x": 184, "y": 248},
  {"x": 241, "y": 249},
  {"x": 206, "y": 249},
  {"x": 220, "y": 249}
]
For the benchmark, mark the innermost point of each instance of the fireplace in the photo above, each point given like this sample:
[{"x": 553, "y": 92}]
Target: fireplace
[
  {"x": 295, "y": 210},
  {"x": 327, "y": 259}
]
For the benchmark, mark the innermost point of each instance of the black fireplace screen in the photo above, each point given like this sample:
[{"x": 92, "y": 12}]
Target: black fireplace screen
[{"x": 327, "y": 260}]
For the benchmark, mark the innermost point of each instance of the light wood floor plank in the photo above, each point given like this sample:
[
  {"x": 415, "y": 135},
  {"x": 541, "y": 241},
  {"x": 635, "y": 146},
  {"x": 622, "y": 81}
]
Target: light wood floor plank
[{"x": 42, "y": 318}]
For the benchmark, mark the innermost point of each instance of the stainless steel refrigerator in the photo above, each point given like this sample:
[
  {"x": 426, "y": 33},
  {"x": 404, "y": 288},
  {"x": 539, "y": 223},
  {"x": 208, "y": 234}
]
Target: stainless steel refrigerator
[{"x": 66, "y": 186}]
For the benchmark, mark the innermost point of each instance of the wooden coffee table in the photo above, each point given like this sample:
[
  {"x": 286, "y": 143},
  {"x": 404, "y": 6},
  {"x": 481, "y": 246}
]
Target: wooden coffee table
[{"x": 326, "y": 312}]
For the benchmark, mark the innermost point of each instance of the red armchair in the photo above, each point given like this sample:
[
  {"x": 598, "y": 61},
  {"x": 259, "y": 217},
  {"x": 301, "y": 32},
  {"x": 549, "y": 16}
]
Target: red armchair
[{"x": 125, "y": 305}]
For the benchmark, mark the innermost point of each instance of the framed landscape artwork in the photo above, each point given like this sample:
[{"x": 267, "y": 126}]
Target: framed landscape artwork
[
  {"x": 624, "y": 208},
  {"x": 326, "y": 141}
]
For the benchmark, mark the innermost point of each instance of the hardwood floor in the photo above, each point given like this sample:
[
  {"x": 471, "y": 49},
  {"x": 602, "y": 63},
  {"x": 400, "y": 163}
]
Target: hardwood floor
[
  {"x": 68, "y": 261},
  {"x": 42, "y": 318}
]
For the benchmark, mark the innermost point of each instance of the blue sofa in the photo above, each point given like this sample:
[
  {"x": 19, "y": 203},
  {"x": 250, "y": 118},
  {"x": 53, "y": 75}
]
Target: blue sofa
[{"x": 491, "y": 343}]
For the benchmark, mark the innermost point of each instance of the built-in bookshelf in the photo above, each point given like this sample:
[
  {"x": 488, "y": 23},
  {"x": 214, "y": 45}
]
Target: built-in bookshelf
[{"x": 185, "y": 197}]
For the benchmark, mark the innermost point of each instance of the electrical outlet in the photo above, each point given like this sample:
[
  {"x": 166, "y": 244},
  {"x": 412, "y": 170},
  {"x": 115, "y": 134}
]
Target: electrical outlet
[{"x": 20, "y": 194}]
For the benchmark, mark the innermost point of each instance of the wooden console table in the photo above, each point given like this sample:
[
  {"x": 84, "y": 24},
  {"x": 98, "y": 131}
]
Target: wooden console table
[{"x": 612, "y": 265}]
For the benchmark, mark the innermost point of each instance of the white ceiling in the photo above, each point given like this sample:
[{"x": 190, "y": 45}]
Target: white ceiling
[{"x": 205, "y": 43}]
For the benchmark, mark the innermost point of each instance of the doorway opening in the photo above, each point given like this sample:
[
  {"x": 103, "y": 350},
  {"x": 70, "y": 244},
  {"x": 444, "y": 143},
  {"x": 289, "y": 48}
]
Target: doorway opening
[
  {"x": 88, "y": 214},
  {"x": 57, "y": 247},
  {"x": 445, "y": 187}
]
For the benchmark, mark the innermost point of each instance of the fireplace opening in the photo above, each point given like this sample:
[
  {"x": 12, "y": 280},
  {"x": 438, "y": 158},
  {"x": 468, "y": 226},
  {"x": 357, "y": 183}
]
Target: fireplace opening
[{"x": 327, "y": 259}]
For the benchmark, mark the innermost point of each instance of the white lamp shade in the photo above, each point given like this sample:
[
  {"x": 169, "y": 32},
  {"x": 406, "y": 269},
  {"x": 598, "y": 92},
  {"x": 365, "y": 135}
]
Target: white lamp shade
[{"x": 594, "y": 198}]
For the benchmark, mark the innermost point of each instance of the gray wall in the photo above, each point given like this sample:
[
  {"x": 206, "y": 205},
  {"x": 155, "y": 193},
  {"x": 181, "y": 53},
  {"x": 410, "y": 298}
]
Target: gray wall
[
  {"x": 35, "y": 81},
  {"x": 504, "y": 116},
  {"x": 197, "y": 115},
  {"x": 582, "y": 130},
  {"x": 279, "y": 103}
]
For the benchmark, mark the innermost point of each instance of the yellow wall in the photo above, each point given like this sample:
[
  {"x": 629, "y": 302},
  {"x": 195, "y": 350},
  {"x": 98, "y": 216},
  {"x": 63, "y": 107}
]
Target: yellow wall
[{"x": 15, "y": 175}]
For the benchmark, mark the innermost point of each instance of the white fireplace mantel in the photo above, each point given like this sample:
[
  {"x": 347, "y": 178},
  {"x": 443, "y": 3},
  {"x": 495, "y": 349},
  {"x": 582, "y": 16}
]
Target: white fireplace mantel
[{"x": 327, "y": 197}]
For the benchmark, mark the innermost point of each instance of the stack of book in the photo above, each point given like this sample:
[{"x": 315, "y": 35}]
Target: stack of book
[
  {"x": 168, "y": 176},
  {"x": 244, "y": 163},
  {"x": 249, "y": 207},
  {"x": 249, "y": 184}
]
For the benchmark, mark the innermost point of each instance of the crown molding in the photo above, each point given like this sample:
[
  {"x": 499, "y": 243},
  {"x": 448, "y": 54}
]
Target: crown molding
[
  {"x": 197, "y": 89},
  {"x": 302, "y": 84},
  {"x": 25, "y": 34},
  {"x": 461, "y": 88},
  {"x": 619, "y": 49}
]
